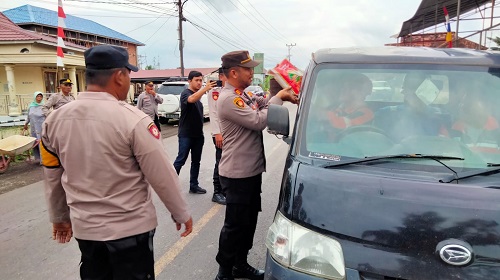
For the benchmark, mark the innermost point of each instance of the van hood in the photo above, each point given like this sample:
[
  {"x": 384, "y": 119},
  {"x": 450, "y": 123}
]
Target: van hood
[{"x": 397, "y": 227}]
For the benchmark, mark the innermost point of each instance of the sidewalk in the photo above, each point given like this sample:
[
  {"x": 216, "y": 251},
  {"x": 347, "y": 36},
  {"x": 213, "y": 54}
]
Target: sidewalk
[{"x": 12, "y": 121}]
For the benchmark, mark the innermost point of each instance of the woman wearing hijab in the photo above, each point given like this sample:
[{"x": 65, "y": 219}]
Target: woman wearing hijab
[{"x": 36, "y": 118}]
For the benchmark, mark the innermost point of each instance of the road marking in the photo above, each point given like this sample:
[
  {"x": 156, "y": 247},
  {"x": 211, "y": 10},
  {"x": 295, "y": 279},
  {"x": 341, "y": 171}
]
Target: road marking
[
  {"x": 172, "y": 253},
  {"x": 178, "y": 246}
]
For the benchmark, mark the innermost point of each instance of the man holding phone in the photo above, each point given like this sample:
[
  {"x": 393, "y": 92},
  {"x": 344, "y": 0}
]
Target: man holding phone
[
  {"x": 212, "y": 97},
  {"x": 190, "y": 134}
]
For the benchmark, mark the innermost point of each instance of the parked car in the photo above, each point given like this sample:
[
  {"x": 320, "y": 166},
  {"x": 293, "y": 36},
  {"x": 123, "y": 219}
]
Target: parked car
[
  {"x": 171, "y": 93},
  {"x": 257, "y": 90},
  {"x": 391, "y": 198}
]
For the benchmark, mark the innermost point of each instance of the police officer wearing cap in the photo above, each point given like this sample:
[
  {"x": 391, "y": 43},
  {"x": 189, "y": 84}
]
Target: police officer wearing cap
[
  {"x": 101, "y": 192},
  {"x": 148, "y": 102},
  {"x": 242, "y": 119},
  {"x": 57, "y": 100}
]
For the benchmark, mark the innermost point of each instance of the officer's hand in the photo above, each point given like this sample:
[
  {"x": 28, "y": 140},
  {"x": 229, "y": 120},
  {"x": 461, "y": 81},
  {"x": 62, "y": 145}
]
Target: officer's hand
[
  {"x": 287, "y": 94},
  {"x": 188, "y": 225},
  {"x": 62, "y": 232},
  {"x": 218, "y": 140}
]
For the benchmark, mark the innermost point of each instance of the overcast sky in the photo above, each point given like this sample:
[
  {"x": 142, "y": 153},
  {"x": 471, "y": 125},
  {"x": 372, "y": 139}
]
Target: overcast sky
[{"x": 265, "y": 26}]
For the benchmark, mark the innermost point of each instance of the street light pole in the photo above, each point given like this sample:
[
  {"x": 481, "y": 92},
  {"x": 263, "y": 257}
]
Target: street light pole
[
  {"x": 181, "y": 41},
  {"x": 289, "y": 47}
]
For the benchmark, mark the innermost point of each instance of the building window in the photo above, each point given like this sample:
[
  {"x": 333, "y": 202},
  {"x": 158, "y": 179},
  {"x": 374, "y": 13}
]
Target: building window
[{"x": 49, "y": 79}]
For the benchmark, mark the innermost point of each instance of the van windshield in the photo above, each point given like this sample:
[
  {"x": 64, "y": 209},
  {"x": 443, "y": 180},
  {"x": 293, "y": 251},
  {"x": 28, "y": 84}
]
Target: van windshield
[{"x": 357, "y": 111}]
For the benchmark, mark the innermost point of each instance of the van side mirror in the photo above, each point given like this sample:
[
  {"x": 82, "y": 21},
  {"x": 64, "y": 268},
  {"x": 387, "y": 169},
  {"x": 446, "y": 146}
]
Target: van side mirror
[{"x": 278, "y": 122}]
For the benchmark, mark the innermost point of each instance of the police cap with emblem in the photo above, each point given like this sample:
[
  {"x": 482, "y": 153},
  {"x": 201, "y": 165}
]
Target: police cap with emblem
[
  {"x": 238, "y": 58},
  {"x": 107, "y": 57},
  {"x": 65, "y": 81}
]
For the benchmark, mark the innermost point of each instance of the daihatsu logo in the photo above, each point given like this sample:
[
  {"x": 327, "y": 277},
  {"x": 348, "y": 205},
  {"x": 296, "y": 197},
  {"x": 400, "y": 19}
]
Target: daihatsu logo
[{"x": 455, "y": 254}]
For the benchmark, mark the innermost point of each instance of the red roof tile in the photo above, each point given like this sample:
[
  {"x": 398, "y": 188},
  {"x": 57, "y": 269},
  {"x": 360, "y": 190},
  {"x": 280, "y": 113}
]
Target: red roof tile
[{"x": 9, "y": 31}]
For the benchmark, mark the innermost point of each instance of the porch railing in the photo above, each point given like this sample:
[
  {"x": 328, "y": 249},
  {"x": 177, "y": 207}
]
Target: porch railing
[{"x": 23, "y": 100}]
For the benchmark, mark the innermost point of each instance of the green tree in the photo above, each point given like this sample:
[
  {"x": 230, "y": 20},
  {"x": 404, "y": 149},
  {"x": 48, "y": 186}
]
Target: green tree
[
  {"x": 495, "y": 40},
  {"x": 150, "y": 67}
]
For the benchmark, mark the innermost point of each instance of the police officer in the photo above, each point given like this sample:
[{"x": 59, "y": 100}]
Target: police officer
[
  {"x": 59, "y": 99},
  {"x": 213, "y": 96},
  {"x": 148, "y": 102},
  {"x": 101, "y": 155},
  {"x": 242, "y": 119}
]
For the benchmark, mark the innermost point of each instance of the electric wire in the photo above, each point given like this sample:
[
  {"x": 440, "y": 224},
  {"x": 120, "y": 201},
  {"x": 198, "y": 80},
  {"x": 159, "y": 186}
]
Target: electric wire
[
  {"x": 264, "y": 27},
  {"x": 157, "y": 30},
  {"x": 214, "y": 19},
  {"x": 231, "y": 26},
  {"x": 257, "y": 23},
  {"x": 257, "y": 11},
  {"x": 234, "y": 44},
  {"x": 147, "y": 24}
]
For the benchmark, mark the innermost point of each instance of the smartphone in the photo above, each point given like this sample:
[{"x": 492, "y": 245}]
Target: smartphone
[{"x": 219, "y": 83}]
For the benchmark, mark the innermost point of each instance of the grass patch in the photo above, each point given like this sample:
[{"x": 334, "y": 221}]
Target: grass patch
[{"x": 6, "y": 131}]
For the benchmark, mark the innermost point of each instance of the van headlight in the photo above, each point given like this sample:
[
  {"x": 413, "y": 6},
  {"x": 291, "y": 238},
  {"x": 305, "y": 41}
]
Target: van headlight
[{"x": 304, "y": 250}]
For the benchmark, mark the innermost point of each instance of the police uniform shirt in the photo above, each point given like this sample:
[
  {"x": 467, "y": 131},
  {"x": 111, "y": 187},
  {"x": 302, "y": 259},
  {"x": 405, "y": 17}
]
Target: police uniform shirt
[
  {"x": 149, "y": 104},
  {"x": 241, "y": 125},
  {"x": 56, "y": 101},
  {"x": 99, "y": 155},
  {"x": 212, "y": 97}
]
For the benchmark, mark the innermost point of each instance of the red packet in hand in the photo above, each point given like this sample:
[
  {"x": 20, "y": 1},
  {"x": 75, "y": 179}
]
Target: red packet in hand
[{"x": 287, "y": 75}]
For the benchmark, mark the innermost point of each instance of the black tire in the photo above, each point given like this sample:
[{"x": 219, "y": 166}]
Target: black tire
[{"x": 163, "y": 120}]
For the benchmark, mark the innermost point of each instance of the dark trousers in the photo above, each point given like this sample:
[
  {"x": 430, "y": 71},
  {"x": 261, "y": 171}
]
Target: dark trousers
[
  {"x": 195, "y": 145},
  {"x": 129, "y": 258},
  {"x": 218, "y": 154},
  {"x": 157, "y": 122},
  {"x": 242, "y": 209}
]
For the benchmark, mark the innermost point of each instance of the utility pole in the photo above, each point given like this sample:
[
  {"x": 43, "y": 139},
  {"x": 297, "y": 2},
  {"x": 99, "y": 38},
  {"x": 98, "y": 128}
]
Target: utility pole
[
  {"x": 289, "y": 47},
  {"x": 181, "y": 41}
]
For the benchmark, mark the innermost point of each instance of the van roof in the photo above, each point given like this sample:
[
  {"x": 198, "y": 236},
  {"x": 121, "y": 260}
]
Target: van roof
[{"x": 408, "y": 55}]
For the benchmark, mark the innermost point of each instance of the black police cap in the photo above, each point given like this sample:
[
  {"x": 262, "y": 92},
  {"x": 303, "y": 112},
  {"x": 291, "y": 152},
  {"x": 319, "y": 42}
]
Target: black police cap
[
  {"x": 238, "y": 58},
  {"x": 65, "y": 81},
  {"x": 107, "y": 57}
]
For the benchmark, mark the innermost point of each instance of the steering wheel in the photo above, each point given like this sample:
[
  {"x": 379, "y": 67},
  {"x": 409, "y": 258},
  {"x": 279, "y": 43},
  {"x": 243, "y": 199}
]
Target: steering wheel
[{"x": 358, "y": 129}]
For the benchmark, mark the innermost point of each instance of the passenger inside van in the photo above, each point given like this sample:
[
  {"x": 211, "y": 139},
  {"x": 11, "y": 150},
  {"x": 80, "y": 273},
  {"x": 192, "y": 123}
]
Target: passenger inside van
[
  {"x": 476, "y": 127},
  {"x": 417, "y": 116}
]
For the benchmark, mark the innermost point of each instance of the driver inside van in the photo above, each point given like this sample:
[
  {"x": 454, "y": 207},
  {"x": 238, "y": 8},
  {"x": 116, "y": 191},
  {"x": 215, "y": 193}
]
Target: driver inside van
[
  {"x": 346, "y": 107},
  {"x": 416, "y": 117},
  {"x": 352, "y": 110}
]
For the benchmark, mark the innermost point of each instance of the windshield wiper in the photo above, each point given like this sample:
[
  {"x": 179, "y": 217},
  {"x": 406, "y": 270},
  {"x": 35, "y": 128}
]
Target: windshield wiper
[
  {"x": 495, "y": 169},
  {"x": 437, "y": 158}
]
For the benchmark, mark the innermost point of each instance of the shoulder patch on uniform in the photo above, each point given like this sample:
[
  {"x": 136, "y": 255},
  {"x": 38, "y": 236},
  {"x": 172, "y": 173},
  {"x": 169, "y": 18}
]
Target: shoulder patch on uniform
[
  {"x": 238, "y": 101},
  {"x": 154, "y": 130},
  {"x": 215, "y": 95}
]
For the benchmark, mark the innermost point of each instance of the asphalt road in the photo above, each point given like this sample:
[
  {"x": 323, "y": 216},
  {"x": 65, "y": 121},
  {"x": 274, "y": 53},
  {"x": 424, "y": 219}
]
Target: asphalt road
[{"x": 27, "y": 251}]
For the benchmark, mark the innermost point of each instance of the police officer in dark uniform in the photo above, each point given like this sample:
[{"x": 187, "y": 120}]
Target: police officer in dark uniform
[{"x": 242, "y": 118}]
